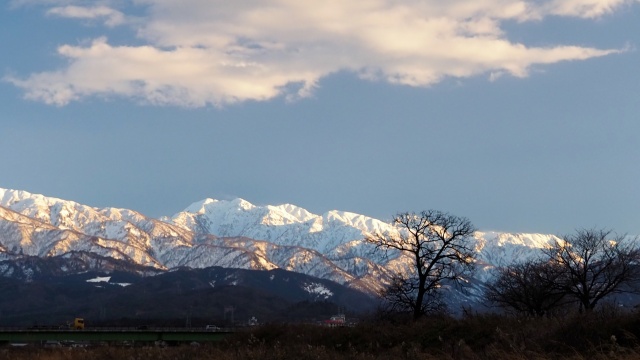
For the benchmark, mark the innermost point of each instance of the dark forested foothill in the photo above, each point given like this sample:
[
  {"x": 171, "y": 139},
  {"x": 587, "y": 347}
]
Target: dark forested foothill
[{"x": 187, "y": 297}]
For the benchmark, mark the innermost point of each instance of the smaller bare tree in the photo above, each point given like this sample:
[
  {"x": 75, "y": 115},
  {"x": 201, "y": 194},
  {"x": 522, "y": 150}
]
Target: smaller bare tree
[
  {"x": 596, "y": 263},
  {"x": 532, "y": 287},
  {"x": 441, "y": 249}
]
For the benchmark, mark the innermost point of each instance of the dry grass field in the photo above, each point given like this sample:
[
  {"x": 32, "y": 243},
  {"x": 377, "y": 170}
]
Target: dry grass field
[{"x": 602, "y": 335}]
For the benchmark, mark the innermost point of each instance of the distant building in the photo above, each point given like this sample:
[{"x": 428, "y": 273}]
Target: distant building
[{"x": 336, "y": 321}]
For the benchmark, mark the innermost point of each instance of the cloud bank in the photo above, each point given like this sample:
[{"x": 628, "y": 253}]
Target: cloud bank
[{"x": 217, "y": 52}]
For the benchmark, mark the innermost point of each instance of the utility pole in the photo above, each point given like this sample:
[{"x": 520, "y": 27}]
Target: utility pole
[
  {"x": 229, "y": 309},
  {"x": 188, "y": 322}
]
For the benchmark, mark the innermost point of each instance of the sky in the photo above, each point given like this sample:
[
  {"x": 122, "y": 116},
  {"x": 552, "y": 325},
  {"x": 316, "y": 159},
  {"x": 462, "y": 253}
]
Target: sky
[{"x": 522, "y": 116}]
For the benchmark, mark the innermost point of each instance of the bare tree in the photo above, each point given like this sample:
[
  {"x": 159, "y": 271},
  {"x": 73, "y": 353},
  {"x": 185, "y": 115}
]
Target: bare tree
[
  {"x": 596, "y": 264},
  {"x": 440, "y": 247},
  {"x": 532, "y": 287}
]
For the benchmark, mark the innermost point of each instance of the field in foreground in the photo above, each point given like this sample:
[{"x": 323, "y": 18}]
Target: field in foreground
[{"x": 602, "y": 335}]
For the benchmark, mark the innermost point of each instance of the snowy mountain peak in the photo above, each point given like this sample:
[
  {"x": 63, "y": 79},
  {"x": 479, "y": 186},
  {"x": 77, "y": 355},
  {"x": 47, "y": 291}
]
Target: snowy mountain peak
[
  {"x": 209, "y": 205},
  {"x": 285, "y": 224},
  {"x": 9, "y": 197},
  {"x": 361, "y": 222},
  {"x": 199, "y": 207}
]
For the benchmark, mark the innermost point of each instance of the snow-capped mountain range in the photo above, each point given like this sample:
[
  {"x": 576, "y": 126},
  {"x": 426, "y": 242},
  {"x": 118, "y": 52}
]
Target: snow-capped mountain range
[{"x": 232, "y": 234}]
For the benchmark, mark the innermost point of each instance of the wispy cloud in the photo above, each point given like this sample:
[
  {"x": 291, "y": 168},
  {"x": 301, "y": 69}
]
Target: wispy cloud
[
  {"x": 205, "y": 52},
  {"x": 584, "y": 8},
  {"x": 110, "y": 16}
]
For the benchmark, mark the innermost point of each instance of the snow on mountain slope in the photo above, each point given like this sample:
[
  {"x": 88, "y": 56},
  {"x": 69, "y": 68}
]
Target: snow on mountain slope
[
  {"x": 24, "y": 236},
  {"x": 292, "y": 258}
]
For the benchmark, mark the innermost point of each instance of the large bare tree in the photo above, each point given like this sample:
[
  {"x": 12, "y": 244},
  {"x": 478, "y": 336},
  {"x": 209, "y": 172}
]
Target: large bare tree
[
  {"x": 441, "y": 248},
  {"x": 596, "y": 263}
]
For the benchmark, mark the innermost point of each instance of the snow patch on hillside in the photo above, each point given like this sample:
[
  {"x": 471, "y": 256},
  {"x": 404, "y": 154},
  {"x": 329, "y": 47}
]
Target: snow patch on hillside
[{"x": 318, "y": 290}]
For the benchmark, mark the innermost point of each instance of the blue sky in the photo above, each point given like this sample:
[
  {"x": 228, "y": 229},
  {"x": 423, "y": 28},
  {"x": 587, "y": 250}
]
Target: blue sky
[{"x": 520, "y": 115}]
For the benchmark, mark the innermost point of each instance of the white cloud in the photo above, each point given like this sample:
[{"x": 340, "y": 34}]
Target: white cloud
[
  {"x": 584, "y": 8},
  {"x": 202, "y": 52},
  {"x": 111, "y": 17}
]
